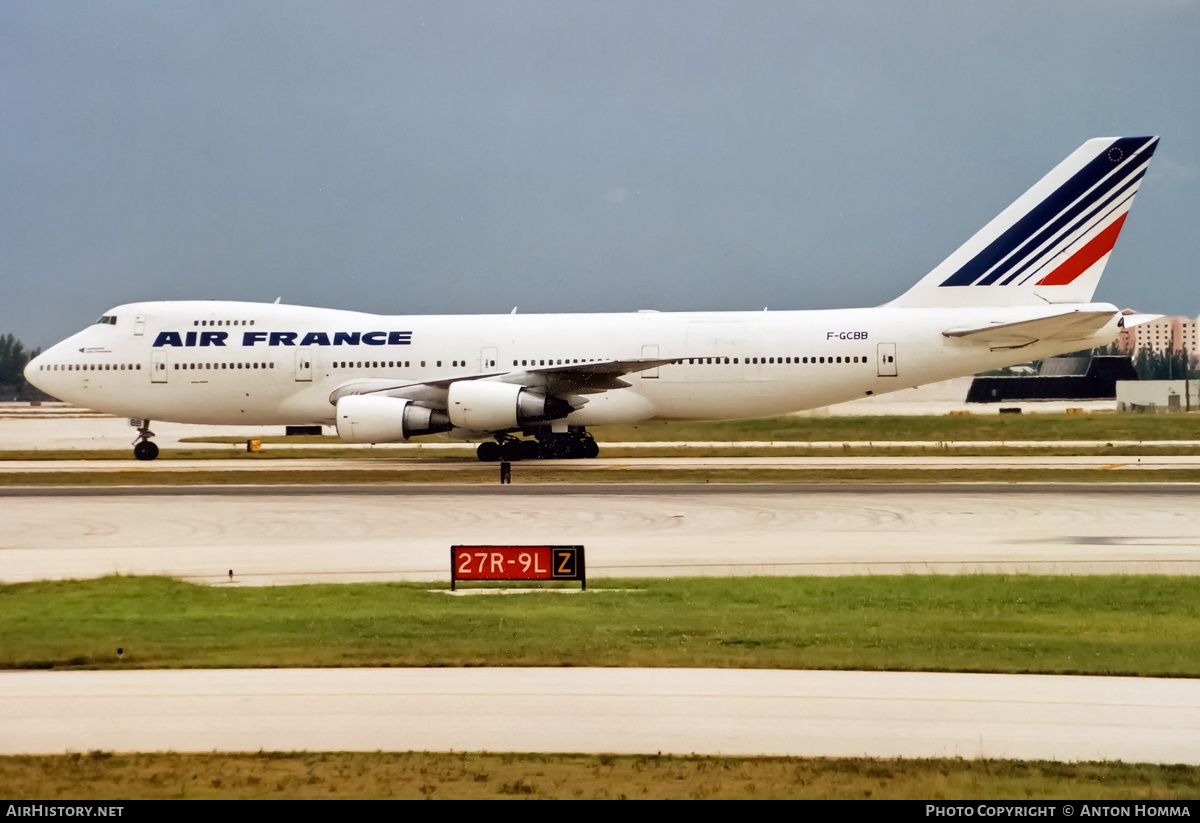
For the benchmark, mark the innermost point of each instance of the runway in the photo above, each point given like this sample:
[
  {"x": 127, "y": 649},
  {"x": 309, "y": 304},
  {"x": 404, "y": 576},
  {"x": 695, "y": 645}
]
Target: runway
[
  {"x": 468, "y": 465},
  {"x": 273, "y": 535},
  {"x": 675, "y": 711}
]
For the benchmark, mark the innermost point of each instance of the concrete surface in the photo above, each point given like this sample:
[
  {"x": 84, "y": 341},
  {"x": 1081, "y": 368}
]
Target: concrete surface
[
  {"x": 676, "y": 711},
  {"x": 276, "y": 536}
]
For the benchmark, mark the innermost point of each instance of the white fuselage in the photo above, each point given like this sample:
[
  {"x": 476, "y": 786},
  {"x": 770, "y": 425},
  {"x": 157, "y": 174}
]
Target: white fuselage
[{"x": 265, "y": 364}]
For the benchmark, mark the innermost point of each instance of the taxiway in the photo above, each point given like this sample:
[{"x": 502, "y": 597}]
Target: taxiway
[
  {"x": 274, "y": 535},
  {"x": 676, "y": 711}
]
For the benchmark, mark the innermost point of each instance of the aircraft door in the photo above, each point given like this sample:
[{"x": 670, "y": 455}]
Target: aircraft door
[
  {"x": 139, "y": 325},
  {"x": 158, "y": 366},
  {"x": 650, "y": 351},
  {"x": 487, "y": 358},
  {"x": 303, "y": 365},
  {"x": 887, "y": 359}
]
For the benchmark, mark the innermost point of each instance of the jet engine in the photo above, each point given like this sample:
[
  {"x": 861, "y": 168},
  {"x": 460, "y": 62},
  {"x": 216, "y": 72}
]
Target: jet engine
[
  {"x": 363, "y": 418},
  {"x": 490, "y": 406}
]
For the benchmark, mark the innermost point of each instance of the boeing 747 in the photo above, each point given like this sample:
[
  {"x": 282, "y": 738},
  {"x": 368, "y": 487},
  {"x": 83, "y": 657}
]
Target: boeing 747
[{"x": 529, "y": 385}]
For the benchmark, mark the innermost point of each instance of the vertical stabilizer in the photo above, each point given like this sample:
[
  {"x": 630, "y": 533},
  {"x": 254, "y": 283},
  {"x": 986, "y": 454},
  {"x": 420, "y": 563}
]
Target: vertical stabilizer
[{"x": 1052, "y": 244}]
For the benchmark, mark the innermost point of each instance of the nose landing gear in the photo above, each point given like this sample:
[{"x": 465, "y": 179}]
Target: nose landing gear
[{"x": 143, "y": 447}]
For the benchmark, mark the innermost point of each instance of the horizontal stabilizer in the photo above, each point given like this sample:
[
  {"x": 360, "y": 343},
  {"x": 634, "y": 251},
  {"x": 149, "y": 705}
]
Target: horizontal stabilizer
[
  {"x": 1076, "y": 325},
  {"x": 1130, "y": 318}
]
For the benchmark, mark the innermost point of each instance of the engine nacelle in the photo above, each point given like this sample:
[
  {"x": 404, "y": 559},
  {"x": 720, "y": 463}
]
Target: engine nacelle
[
  {"x": 489, "y": 406},
  {"x": 363, "y": 418}
]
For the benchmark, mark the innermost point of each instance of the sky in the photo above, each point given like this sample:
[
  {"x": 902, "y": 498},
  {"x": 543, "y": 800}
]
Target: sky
[{"x": 469, "y": 157}]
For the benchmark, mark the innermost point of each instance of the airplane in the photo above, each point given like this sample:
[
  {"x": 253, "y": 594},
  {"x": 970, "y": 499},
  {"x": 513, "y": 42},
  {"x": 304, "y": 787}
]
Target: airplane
[{"x": 529, "y": 385}]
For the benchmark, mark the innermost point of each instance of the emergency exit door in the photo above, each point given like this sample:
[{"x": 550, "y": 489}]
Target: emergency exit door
[
  {"x": 650, "y": 352},
  {"x": 887, "y": 359},
  {"x": 303, "y": 365},
  {"x": 158, "y": 366}
]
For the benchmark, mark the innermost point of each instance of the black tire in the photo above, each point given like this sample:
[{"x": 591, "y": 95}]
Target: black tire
[
  {"x": 488, "y": 452},
  {"x": 589, "y": 449},
  {"x": 145, "y": 450},
  {"x": 512, "y": 450},
  {"x": 530, "y": 450}
]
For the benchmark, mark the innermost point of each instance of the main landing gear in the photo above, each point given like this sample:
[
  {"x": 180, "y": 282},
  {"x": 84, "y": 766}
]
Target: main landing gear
[
  {"x": 550, "y": 446},
  {"x": 143, "y": 447}
]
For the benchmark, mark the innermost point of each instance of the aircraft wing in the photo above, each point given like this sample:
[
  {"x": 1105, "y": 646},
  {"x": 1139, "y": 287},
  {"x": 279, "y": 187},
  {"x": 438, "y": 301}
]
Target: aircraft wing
[
  {"x": 570, "y": 378},
  {"x": 1076, "y": 325}
]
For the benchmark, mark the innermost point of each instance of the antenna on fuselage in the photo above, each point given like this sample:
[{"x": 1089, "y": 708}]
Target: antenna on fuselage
[
  {"x": 277, "y": 299},
  {"x": 514, "y": 311}
]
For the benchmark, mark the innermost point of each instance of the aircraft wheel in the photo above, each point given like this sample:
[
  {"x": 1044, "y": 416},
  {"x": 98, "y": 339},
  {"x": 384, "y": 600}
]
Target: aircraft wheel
[
  {"x": 588, "y": 449},
  {"x": 512, "y": 451},
  {"x": 488, "y": 452},
  {"x": 145, "y": 450},
  {"x": 530, "y": 450}
]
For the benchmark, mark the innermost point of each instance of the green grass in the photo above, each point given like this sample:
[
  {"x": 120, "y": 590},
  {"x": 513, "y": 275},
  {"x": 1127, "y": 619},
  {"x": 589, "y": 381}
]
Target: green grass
[
  {"x": 1047, "y": 427},
  {"x": 1044, "y": 427},
  {"x": 1126, "y": 625},
  {"x": 459, "y": 775}
]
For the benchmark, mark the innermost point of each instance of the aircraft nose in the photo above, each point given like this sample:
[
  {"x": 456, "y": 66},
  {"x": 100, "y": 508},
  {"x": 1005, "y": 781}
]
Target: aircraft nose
[{"x": 31, "y": 369}]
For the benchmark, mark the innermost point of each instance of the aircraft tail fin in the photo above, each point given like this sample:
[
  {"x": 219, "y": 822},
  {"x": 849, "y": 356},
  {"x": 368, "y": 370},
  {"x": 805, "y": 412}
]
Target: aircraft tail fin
[{"x": 1051, "y": 245}]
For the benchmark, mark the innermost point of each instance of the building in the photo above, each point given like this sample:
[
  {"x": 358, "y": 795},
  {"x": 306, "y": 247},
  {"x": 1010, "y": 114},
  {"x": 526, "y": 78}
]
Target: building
[
  {"x": 1150, "y": 396},
  {"x": 1166, "y": 335},
  {"x": 1058, "y": 378}
]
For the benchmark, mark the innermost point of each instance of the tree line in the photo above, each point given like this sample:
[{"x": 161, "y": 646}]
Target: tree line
[
  {"x": 1152, "y": 365},
  {"x": 13, "y": 359}
]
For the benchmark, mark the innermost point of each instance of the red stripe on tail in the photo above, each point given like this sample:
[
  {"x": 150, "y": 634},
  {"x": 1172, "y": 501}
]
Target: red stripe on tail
[{"x": 1082, "y": 260}]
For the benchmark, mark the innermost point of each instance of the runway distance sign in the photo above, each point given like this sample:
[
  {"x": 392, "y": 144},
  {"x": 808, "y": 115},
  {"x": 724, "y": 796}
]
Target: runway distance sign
[{"x": 516, "y": 563}]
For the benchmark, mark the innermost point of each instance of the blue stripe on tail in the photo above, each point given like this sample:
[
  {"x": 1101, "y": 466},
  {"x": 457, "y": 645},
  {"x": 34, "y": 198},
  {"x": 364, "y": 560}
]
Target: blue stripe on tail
[{"x": 1058, "y": 205}]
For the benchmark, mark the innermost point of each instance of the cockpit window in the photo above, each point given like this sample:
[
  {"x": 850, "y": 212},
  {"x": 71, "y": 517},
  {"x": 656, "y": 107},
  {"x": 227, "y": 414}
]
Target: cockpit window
[{"x": 108, "y": 320}]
